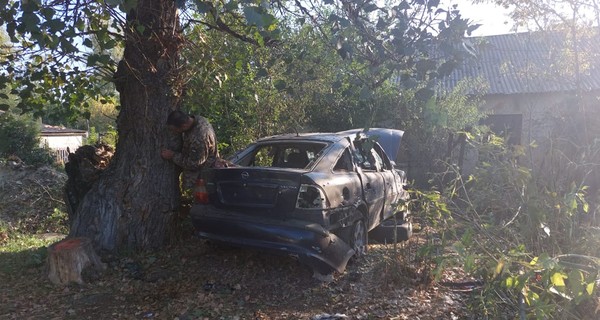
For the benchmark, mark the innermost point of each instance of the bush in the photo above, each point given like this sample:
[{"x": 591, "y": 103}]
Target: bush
[
  {"x": 20, "y": 137},
  {"x": 530, "y": 241}
]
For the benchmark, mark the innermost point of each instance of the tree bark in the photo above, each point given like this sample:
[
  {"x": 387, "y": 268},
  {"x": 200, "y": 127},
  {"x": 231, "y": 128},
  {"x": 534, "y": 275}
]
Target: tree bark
[
  {"x": 69, "y": 257},
  {"x": 134, "y": 202}
]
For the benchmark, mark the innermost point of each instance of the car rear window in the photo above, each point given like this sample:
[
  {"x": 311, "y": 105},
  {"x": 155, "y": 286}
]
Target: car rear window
[{"x": 297, "y": 155}]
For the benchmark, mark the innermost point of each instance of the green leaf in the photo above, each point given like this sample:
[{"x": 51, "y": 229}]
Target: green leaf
[
  {"x": 203, "y": 6},
  {"x": 4, "y": 106},
  {"x": 499, "y": 268},
  {"x": 344, "y": 50},
  {"x": 424, "y": 94},
  {"x": 534, "y": 261},
  {"x": 508, "y": 282},
  {"x": 262, "y": 72},
  {"x": 47, "y": 12},
  {"x": 365, "y": 93},
  {"x": 231, "y": 5},
  {"x": 558, "y": 279},
  {"x": 55, "y": 25},
  {"x": 88, "y": 43},
  {"x": 589, "y": 288},
  {"x": 280, "y": 85},
  {"x": 254, "y": 16},
  {"x": 30, "y": 21}
]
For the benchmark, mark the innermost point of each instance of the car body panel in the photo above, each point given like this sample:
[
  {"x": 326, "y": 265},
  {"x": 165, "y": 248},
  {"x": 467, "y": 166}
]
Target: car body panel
[
  {"x": 309, "y": 242},
  {"x": 294, "y": 194}
]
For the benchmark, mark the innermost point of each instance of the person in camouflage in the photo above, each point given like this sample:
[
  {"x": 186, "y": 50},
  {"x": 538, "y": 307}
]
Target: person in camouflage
[{"x": 199, "y": 148}]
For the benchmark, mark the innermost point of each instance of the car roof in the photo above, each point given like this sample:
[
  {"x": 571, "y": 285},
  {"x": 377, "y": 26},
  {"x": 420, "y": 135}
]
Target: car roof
[
  {"x": 323, "y": 136},
  {"x": 389, "y": 139}
]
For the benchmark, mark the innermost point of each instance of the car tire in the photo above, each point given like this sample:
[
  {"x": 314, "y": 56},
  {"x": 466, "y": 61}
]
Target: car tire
[{"x": 358, "y": 238}]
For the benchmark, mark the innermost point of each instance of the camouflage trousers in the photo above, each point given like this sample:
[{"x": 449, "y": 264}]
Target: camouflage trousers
[{"x": 188, "y": 180}]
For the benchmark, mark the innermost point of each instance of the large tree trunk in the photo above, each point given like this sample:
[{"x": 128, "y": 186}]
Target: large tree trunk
[{"x": 134, "y": 202}]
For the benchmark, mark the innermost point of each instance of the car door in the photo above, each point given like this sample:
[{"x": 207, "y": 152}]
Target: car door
[
  {"x": 391, "y": 183},
  {"x": 373, "y": 181}
]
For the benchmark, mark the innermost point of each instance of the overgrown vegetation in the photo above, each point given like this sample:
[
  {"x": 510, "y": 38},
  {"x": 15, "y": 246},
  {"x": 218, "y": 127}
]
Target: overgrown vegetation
[
  {"x": 532, "y": 244},
  {"x": 531, "y": 236},
  {"x": 20, "y": 139}
]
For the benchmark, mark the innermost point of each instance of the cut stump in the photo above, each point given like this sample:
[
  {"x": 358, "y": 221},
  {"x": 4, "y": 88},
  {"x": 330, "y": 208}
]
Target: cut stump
[{"x": 69, "y": 257}]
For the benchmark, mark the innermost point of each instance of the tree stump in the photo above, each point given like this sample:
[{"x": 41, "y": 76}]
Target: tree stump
[{"x": 69, "y": 257}]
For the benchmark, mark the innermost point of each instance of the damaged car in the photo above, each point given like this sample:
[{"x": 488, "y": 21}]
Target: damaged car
[{"x": 313, "y": 196}]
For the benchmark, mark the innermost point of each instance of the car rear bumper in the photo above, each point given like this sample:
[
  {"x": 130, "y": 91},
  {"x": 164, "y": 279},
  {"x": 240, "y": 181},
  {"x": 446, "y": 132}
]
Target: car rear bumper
[{"x": 309, "y": 242}]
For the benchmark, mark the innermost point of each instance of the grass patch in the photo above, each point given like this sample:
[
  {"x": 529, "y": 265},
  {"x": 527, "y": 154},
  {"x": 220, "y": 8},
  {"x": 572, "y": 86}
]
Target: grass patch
[{"x": 22, "y": 251}]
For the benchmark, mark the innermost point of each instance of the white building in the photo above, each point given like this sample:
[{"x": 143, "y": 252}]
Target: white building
[{"x": 61, "y": 140}]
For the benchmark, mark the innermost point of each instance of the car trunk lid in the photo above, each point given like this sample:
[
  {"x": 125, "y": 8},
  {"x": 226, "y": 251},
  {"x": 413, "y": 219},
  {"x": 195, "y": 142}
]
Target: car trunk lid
[{"x": 264, "y": 191}]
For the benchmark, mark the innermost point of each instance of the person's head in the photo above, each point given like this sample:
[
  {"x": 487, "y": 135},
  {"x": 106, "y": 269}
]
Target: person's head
[{"x": 179, "y": 121}]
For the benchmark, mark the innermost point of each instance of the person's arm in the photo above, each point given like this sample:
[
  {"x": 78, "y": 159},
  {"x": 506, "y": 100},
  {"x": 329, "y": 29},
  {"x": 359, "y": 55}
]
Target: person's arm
[{"x": 196, "y": 157}]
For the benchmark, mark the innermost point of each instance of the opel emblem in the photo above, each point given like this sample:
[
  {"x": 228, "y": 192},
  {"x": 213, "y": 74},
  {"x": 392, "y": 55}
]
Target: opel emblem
[{"x": 245, "y": 175}]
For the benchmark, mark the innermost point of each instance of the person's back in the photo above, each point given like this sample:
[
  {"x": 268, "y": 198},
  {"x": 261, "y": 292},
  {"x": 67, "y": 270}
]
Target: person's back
[{"x": 199, "y": 148}]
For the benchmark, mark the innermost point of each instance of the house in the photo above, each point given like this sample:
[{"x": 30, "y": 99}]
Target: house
[
  {"x": 61, "y": 140},
  {"x": 544, "y": 91}
]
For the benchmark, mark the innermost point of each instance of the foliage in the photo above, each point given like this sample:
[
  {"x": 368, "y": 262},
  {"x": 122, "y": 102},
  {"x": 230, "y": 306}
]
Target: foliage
[
  {"x": 20, "y": 137},
  {"x": 529, "y": 242},
  {"x": 327, "y": 71},
  {"x": 550, "y": 14}
]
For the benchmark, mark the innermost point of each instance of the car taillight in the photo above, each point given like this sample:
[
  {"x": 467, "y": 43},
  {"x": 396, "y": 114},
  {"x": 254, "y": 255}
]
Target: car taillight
[
  {"x": 200, "y": 193},
  {"x": 311, "y": 197}
]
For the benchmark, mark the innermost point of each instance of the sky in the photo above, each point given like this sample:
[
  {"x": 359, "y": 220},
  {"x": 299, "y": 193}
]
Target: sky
[{"x": 493, "y": 19}]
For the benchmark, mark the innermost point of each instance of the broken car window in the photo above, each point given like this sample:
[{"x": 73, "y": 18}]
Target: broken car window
[
  {"x": 285, "y": 155},
  {"x": 344, "y": 163}
]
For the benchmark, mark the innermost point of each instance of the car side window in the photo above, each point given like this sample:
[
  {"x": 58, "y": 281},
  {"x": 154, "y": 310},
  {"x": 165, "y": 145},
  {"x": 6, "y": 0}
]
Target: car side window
[
  {"x": 366, "y": 156},
  {"x": 263, "y": 157},
  {"x": 344, "y": 163},
  {"x": 384, "y": 160},
  {"x": 376, "y": 160}
]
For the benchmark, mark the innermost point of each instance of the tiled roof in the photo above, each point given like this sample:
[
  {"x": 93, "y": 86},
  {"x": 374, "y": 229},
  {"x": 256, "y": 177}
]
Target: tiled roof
[
  {"x": 48, "y": 130},
  {"x": 533, "y": 62}
]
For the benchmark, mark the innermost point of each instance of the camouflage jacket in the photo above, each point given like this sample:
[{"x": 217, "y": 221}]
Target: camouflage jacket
[{"x": 199, "y": 146}]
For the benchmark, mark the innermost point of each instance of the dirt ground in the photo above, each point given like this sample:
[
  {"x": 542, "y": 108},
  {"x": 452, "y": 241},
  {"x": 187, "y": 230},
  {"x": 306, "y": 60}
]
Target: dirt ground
[
  {"x": 197, "y": 280},
  {"x": 200, "y": 280}
]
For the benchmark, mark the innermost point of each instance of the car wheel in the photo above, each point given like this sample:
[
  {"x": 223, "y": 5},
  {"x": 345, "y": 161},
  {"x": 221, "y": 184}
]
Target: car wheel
[{"x": 358, "y": 238}]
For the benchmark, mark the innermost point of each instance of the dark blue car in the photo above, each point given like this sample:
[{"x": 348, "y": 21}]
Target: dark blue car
[{"x": 313, "y": 196}]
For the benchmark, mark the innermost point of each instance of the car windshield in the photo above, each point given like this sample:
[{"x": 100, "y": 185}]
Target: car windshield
[{"x": 297, "y": 155}]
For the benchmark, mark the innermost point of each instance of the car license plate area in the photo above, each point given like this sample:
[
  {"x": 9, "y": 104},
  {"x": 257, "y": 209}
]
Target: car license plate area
[{"x": 254, "y": 195}]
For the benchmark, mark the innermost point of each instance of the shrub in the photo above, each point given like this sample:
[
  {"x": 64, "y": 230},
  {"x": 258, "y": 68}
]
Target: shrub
[
  {"x": 20, "y": 137},
  {"x": 527, "y": 239}
]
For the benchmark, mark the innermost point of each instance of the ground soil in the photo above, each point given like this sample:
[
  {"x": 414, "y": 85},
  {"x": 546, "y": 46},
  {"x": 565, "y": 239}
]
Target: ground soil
[{"x": 196, "y": 279}]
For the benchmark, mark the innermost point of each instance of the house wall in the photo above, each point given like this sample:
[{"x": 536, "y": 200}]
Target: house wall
[
  {"x": 59, "y": 145},
  {"x": 62, "y": 142},
  {"x": 555, "y": 127}
]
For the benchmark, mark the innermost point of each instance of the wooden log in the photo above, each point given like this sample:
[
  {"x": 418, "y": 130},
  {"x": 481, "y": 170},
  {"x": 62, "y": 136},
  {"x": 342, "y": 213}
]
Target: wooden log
[{"x": 69, "y": 257}]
